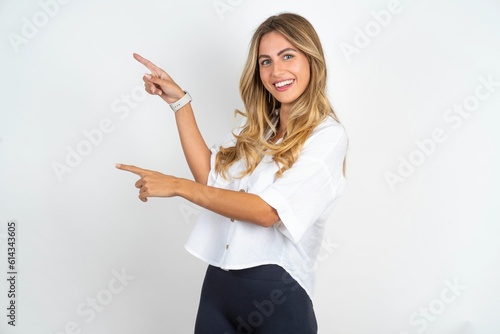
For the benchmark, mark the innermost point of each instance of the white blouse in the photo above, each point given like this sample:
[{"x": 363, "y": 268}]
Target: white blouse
[{"x": 303, "y": 197}]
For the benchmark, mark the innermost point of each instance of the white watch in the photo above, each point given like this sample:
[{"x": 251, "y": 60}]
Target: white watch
[{"x": 181, "y": 102}]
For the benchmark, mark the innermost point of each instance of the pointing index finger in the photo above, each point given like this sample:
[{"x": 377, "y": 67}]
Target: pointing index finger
[
  {"x": 133, "y": 169},
  {"x": 152, "y": 67}
]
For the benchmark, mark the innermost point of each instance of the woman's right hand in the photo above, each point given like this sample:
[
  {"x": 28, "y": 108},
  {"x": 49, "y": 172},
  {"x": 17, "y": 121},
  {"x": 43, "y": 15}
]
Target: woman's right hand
[{"x": 159, "y": 82}]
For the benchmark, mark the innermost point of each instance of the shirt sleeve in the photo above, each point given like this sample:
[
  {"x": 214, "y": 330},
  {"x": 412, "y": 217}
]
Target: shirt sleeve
[{"x": 308, "y": 190}]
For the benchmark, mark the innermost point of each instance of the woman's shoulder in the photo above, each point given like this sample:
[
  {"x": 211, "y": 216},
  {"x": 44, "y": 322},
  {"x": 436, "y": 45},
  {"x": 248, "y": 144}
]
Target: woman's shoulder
[{"x": 329, "y": 128}]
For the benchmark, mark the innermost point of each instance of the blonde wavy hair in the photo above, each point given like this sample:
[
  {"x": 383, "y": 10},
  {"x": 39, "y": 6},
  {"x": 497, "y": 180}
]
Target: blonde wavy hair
[{"x": 309, "y": 110}]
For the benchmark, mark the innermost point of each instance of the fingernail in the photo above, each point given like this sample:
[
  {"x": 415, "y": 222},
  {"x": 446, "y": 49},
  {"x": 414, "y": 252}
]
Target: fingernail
[
  {"x": 148, "y": 76},
  {"x": 118, "y": 165}
]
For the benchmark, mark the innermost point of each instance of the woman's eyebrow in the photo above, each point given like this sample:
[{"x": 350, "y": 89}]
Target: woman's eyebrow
[{"x": 279, "y": 53}]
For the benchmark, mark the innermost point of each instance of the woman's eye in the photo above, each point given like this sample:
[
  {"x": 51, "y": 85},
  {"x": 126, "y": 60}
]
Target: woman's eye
[
  {"x": 288, "y": 57},
  {"x": 265, "y": 62}
]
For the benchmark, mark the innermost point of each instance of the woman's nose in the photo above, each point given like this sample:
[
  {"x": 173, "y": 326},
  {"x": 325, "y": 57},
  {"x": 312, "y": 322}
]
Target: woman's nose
[{"x": 278, "y": 69}]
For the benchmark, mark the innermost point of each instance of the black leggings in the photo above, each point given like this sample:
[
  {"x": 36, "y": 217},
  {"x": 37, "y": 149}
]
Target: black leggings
[{"x": 259, "y": 300}]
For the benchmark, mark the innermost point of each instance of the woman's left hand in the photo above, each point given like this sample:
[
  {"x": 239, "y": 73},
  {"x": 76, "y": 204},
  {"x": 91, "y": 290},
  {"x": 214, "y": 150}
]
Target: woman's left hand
[{"x": 151, "y": 183}]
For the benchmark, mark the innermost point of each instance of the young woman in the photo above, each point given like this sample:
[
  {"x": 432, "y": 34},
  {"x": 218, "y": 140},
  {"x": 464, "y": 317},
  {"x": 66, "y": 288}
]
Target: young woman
[{"x": 268, "y": 187}]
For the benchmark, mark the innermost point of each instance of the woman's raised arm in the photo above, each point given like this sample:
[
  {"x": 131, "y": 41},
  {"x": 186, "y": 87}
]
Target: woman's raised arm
[{"x": 195, "y": 149}]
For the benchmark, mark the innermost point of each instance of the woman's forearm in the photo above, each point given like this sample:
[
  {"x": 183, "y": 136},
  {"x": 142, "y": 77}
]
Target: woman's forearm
[
  {"x": 232, "y": 204},
  {"x": 195, "y": 149},
  {"x": 235, "y": 205}
]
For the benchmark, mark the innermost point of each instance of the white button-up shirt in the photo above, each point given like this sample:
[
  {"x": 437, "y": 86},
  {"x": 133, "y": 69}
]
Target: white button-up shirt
[{"x": 303, "y": 197}]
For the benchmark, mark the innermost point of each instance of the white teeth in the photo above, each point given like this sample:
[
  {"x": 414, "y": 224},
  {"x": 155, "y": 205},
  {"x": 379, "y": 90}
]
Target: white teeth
[{"x": 283, "y": 83}]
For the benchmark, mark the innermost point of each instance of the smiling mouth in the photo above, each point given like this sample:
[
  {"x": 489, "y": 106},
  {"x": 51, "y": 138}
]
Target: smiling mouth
[{"x": 284, "y": 84}]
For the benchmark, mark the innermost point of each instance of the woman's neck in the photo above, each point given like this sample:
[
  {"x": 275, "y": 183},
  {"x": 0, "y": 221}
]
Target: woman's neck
[
  {"x": 283, "y": 120},
  {"x": 284, "y": 113}
]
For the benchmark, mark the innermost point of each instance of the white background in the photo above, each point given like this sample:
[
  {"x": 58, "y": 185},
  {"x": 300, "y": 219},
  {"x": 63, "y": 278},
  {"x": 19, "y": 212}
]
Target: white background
[{"x": 390, "y": 252}]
